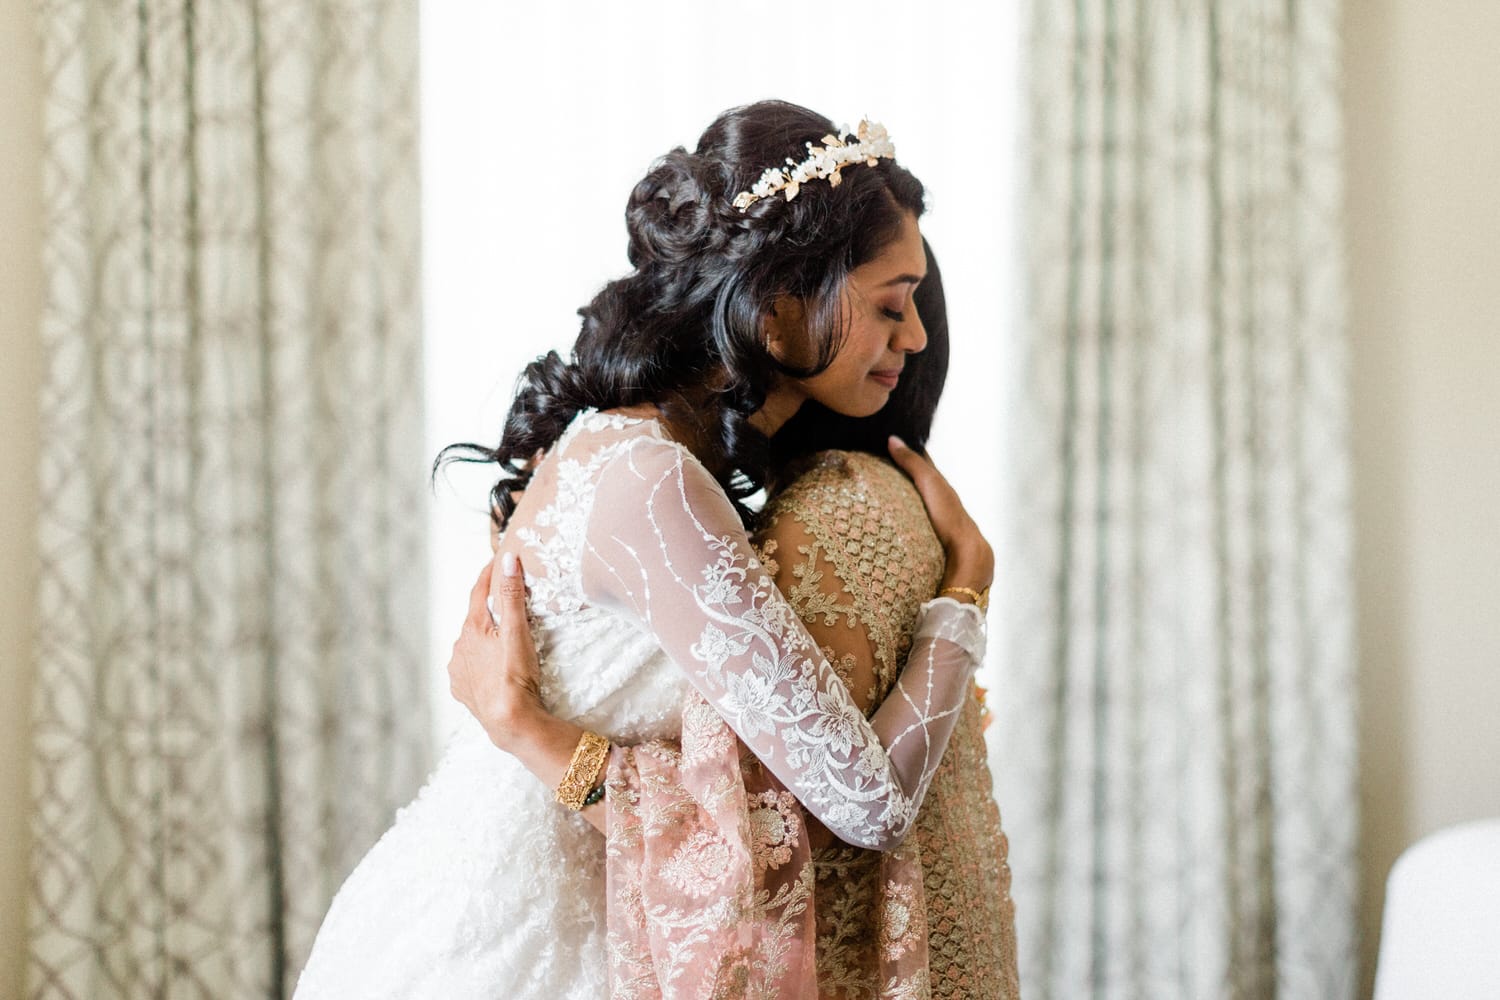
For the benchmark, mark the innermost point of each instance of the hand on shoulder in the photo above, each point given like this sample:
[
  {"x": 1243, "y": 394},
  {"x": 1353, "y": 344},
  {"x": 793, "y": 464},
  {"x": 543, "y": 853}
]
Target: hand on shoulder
[
  {"x": 494, "y": 671},
  {"x": 971, "y": 560}
]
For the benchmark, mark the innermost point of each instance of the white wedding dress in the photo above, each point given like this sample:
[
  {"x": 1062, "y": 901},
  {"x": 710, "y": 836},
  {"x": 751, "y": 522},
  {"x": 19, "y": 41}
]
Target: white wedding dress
[{"x": 643, "y": 585}]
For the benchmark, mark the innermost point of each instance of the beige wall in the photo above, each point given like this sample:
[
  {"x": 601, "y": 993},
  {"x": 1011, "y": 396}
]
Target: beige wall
[
  {"x": 1423, "y": 94},
  {"x": 1424, "y": 200},
  {"x": 20, "y": 372}
]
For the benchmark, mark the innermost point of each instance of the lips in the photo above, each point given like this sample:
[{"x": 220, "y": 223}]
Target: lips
[{"x": 887, "y": 377}]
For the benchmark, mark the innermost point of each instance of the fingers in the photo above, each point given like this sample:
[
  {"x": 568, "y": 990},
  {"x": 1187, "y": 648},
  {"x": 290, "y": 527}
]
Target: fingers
[
  {"x": 952, "y": 524},
  {"x": 900, "y": 451},
  {"x": 911, "y": 462},
  {"x": 906, "y": 460},
  {"x": 929, "y": 481},
  {"x": 510, "y": 601},
  {"x": 479, "y": 615}
]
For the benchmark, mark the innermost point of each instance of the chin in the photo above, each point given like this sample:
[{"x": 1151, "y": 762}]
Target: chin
[{"x": 863, "y": 407}]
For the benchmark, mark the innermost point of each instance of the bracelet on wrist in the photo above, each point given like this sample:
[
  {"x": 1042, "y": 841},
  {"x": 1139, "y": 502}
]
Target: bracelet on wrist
[
  {"x": 579, "y": 781},
  {"x": 981, "y": 598}
]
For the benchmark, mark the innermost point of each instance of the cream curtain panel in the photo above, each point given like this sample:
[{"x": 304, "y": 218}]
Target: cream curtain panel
[
  {"x": 230, "y": 688},
  {"x": 1178, "y": 760}
]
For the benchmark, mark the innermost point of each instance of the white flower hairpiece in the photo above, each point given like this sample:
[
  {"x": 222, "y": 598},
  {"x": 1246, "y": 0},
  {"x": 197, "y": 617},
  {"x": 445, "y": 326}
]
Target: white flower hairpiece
[{"x": 823, "y": 161}]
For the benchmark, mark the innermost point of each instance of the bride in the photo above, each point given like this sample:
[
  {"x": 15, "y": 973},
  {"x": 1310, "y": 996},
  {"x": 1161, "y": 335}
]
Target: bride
[{"x": 754, "y": 290}]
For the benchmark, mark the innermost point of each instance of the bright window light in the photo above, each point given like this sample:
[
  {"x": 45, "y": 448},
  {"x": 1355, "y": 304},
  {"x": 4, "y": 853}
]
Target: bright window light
[{"x": 539, "y": 118}]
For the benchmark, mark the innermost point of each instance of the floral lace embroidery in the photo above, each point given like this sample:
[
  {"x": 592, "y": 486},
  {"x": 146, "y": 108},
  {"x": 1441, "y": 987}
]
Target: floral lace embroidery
[
  {"x": 555, "y": 588},
  {"x": 664, "y": 545}
]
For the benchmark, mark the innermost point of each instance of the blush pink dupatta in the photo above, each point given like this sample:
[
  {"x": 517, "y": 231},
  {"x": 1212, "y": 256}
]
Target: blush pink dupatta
[{"x": 710, "y": 878}]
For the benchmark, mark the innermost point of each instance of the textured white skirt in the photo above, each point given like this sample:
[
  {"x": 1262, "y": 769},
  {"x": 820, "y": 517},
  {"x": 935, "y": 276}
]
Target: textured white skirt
[{"x": 486, "y": 888}]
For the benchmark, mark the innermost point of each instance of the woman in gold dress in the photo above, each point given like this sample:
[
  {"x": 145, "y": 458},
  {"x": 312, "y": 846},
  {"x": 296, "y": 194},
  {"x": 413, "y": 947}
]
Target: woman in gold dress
[{"x": 855, "y": 554}]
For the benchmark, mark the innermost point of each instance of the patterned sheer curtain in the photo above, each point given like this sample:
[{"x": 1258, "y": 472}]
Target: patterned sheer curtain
[
  {"x": 1178, "y": 773},
  {"x": 231, "y": 692}
]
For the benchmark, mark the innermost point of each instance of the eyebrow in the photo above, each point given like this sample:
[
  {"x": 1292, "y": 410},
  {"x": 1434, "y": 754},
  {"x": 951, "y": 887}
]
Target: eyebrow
[{"x": 904, "y": 279}]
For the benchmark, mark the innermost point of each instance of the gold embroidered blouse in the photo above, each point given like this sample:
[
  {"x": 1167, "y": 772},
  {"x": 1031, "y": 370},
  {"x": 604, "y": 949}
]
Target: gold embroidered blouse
[{"x": 852, "y": 548}]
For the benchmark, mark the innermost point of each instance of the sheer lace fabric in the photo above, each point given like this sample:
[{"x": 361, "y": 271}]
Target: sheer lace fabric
[
  {"x": 484, "y": 887},
  {"x": 850, "y": 544},
  {"x": 665, "y": 547},
  {"x": 646, "y": 597}
]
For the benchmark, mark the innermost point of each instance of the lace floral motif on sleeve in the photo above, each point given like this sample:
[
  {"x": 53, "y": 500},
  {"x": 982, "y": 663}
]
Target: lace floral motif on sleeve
[{"x": 664, "y": 545}]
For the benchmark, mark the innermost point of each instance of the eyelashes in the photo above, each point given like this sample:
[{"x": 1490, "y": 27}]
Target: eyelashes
[{"x": 899, "y": 317}]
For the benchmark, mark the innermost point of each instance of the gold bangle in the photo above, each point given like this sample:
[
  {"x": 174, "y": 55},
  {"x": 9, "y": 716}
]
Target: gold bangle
[
  {"x": 981, "y": 597},
  {"x": 583, "y": 770}
]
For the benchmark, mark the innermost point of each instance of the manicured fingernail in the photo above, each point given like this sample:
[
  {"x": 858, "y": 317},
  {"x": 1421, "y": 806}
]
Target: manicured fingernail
[
  {"x": 489, "y": 602},
  {"x": 509, "y": 564},
  {"x": 897, "y": 441}
]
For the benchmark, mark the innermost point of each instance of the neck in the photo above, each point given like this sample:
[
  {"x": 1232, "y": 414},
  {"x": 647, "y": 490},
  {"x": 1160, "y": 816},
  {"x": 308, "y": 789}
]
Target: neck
[{"x": 782, "y": 403}]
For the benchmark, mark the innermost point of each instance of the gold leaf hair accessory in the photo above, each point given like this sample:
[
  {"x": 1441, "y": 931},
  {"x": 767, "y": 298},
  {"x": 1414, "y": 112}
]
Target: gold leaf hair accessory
[{"x": 825, "y": 161}]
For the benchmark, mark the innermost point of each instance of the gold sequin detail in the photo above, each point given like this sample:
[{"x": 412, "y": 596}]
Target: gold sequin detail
[
  {"x": 871, "y": 559},
  {"x": 866, "y": 526}
]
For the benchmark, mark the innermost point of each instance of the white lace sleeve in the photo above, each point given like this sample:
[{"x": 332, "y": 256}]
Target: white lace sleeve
[{"x": 664, "y": 544}]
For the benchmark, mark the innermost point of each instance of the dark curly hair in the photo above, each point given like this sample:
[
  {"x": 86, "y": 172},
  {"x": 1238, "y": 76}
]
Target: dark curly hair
[
  {"x": 682, "y": 330},
  {"x": 907, "y": 413}
]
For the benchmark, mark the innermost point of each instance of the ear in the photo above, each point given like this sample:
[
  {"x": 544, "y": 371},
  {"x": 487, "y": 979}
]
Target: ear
[{"x": 785, "y": 329}]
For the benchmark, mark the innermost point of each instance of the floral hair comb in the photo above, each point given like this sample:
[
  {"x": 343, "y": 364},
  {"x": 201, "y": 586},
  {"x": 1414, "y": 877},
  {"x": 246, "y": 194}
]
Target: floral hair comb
[{"x": 825, "y": 161}]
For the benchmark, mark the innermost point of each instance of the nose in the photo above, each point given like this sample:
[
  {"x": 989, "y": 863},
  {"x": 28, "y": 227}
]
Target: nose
[{"x": 911, "y": 335}]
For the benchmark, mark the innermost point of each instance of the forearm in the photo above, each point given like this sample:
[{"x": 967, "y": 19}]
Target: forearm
[
  {"x": 917, "y": 718},
  {"x": 969, "y": 565},
  {"x": 544, "y": 745},
  {"x": 681, "y": 565},
  {"x": 507, "y": 701}
]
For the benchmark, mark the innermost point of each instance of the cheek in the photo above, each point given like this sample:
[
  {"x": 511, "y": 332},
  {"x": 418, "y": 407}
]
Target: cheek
[
  {"x": 850, "y": 366},
  {"x": 840, "y": 382},
  {"x": 864, "y": 341}
]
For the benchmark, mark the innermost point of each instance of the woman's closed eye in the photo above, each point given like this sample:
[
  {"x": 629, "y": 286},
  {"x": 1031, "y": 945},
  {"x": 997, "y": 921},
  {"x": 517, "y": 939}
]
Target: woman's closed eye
[{"x": 898, "y": 316}]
